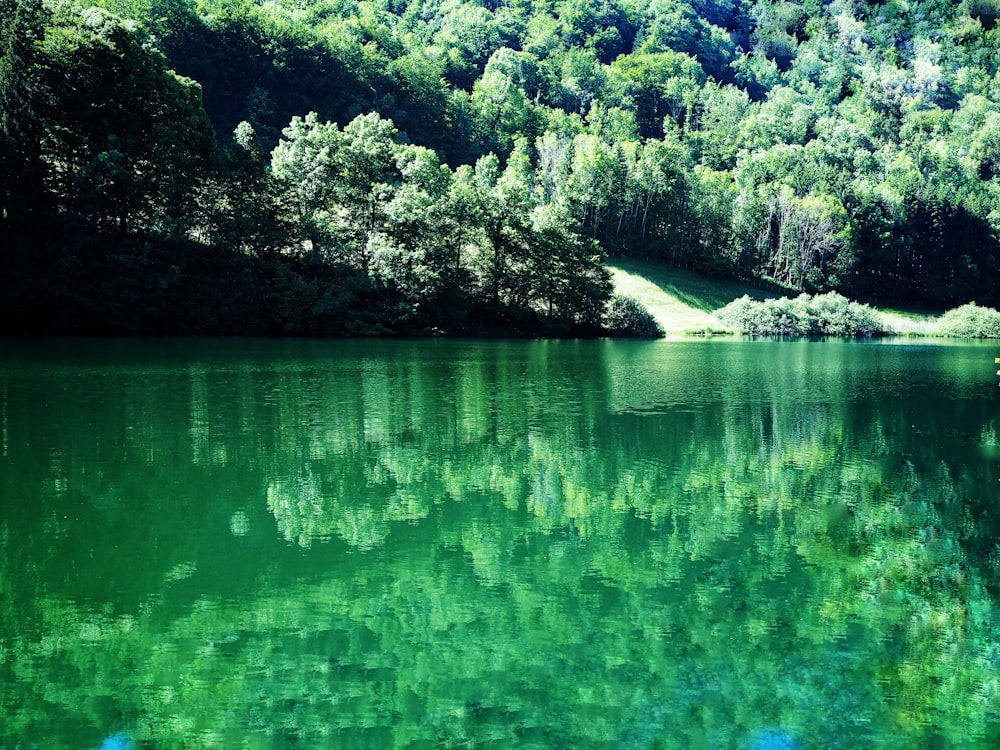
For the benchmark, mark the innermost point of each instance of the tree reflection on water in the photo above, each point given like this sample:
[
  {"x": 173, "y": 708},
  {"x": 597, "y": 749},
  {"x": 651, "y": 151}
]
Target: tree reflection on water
[{"x": 525, "y": 544}]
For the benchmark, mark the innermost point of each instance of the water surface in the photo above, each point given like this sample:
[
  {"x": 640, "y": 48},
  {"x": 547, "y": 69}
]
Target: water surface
[{"x": 433, "y": 544}]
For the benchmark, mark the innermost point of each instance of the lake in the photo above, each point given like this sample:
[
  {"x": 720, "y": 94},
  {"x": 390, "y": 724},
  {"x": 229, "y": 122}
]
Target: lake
[{"x": 756, "y": 545}]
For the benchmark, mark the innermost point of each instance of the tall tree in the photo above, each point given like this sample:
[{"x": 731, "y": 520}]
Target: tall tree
[
  {"x": 22, "y": 30},
  {"x": 124, "y": 138}
]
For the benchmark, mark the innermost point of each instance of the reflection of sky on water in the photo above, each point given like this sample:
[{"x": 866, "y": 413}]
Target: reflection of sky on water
[
  {"x": 774, "y": 740},
  {"x": 117, "y": 742}
]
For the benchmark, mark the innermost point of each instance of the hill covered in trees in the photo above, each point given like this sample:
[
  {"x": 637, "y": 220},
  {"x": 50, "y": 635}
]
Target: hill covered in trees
[{"x": 366, "y": 166}]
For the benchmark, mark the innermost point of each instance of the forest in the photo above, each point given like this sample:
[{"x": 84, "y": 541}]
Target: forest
[{"x": 353, "y": 167}]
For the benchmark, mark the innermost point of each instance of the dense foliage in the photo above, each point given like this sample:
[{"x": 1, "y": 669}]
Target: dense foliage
[
  {"x": 629, "y": 318},
  {"x": 836, "y": 146},
  {"x": 827, "y": 314},
  {"x": 971, "y": 321}
]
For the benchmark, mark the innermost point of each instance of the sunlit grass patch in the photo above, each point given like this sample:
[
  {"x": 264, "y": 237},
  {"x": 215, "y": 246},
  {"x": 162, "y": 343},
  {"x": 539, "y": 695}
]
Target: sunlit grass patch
[
  {"x": 681, "y": 301},
  {"x": 909, "y": 323}
]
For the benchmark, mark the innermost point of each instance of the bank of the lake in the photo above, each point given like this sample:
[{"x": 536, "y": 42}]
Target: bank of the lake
[{"x": 684, "y": 302}]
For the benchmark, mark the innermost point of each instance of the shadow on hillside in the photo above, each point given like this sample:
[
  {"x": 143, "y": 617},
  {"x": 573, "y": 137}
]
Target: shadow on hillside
[{"x": 692, "y": 289}]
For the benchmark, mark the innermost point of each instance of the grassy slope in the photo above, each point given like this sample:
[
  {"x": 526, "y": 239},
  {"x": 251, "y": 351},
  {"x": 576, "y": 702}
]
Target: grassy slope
[{"x": 683, "y": 301}]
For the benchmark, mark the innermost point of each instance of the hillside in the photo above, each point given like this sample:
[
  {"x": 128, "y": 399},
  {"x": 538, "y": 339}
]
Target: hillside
[
  {"x": 464, "y": 166},
  {"x": 683, "y": 301}
]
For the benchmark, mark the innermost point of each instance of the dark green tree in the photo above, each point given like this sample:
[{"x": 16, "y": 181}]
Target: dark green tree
[{"x": 22, "y": 32}]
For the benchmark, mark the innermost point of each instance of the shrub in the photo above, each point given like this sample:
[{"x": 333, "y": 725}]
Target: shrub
[
  {"x": 971, "y": 321},
  {"x": 828, "y": 314},
  {"x": 788, "y": 317},
  {"x": 835, "y": 315},
  {"x": 770, "y": 317},
  {"x": 628, "y": 318}
]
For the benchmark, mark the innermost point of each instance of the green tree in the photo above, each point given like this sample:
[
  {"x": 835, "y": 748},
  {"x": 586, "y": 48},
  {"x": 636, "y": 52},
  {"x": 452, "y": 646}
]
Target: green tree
[
  {"x": 572, "y": 284},
  {"x": 503, "y": 112},
  {"x": 125, "y": 138},
  {"x": 304, "y": 164},
  {"x": 415, "y": 254},
  {"x": 366, "y": 175},
  {"x": 247, "y": 212},
  {"x": 474, "y": 32},
  {"x": 656, "y": 217},
  {"x": 683, "y": 27},
  {"x": 22, "y": 24},
  {"x": 595, "y": 184},
  {"x": 503, "y": 260},
  {"x": 659, "y": 85},
  {"x": 797, "y": 238}
]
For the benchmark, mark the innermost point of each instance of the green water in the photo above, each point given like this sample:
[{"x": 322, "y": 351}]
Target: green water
[{"x": 434, "y": 544}]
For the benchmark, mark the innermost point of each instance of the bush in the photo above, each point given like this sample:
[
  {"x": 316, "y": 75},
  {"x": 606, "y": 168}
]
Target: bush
[
  {"x": 828, "y": 314},
  {"x": 770, "y": 317},
  {"x": 971, "y": 322},
  {"x": 628, "y": 318},
  {"x": 835, "y": 315}
]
